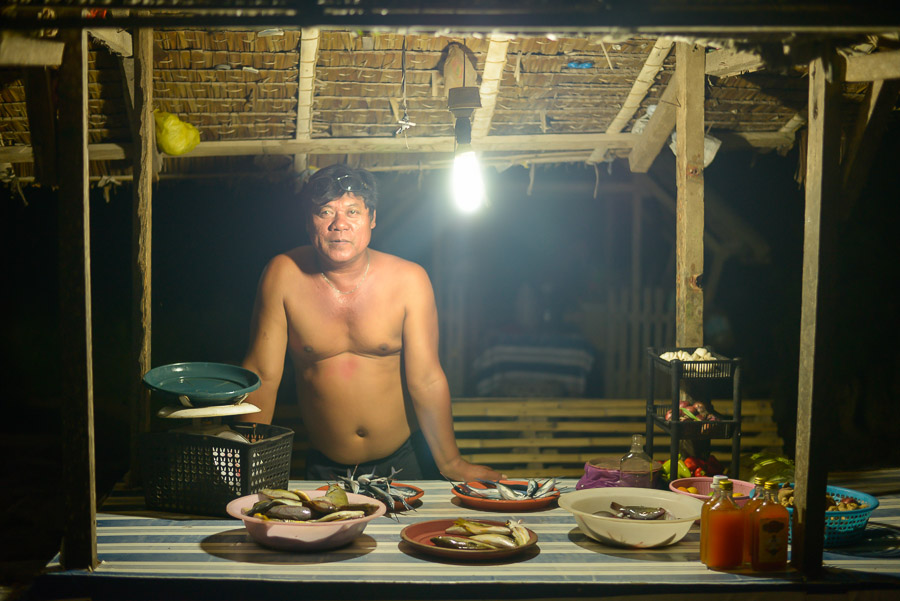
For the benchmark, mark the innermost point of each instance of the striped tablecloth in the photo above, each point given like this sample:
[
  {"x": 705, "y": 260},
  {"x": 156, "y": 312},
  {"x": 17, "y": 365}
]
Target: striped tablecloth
[{"x": 153, "y": 555}]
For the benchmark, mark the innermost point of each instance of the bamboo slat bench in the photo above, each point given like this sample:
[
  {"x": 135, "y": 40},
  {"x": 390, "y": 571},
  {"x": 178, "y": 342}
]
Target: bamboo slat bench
[{"x": 535, "y": 437}]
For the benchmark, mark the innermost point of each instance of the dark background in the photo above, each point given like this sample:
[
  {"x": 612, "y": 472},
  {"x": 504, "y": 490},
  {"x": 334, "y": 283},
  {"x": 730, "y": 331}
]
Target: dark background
[{"x": 212, "y": 237}]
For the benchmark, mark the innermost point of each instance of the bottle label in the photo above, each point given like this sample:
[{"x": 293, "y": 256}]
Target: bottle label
[{"x": 772, "y": 540}]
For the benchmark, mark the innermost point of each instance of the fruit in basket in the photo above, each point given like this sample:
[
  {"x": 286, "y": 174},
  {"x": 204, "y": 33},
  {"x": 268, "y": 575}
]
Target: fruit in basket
[
  {"x": 786, "y": 498},
  {"x": 699, "y": 354}
]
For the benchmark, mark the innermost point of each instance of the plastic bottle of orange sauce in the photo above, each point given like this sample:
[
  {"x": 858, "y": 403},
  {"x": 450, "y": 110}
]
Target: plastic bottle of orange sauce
[
  {"x": 724, "y": 532},
  {"x": 714, "y": 490},
  {"x": 770, "y": 532},
  {"x": 756, "y": 498}
]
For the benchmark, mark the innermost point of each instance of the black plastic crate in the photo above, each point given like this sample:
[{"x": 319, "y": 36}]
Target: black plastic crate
[
  {"x": 200, "y": 474},
  {"x": 720, "y": 367}
]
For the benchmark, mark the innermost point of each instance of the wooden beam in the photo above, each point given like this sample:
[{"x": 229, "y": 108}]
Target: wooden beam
[
  {"x": 141, "y": 241},
  {"x": 869, "y": 67},
  {"x": 155, "y": 158},
  {"x": 546, "y": 142},
  {"x": 494, "y": 63},
  {"x": 794, "y": 123},
  {"x": 818, "y": 316},
  {"x": 881, "y": 96},
  {"x": 118, "y": 41},
  {"x": 727, "y": 62},
  {"x": 690, "y": 67},
  {"x": 19, "y": 50},
  {"x": 443, "y": 144},
  {"x": 654, "y": 136},
  {"x": 79, "y": 545},
  {"x": 40, "y": 90},
  {"x": 651, "y": 68},
  {"x": 306, "y": 84}
]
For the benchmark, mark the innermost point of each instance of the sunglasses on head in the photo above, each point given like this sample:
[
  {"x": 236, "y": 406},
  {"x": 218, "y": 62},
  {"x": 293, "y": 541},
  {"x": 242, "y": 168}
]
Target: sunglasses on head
[{"x": 347, "y": 183}]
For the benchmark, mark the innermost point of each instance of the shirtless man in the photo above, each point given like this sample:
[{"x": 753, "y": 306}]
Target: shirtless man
[{"x": 361, "y": 329}]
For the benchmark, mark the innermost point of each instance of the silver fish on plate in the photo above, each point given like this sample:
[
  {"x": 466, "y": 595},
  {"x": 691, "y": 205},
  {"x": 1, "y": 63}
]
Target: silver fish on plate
[{"x": 637, "y": 512}]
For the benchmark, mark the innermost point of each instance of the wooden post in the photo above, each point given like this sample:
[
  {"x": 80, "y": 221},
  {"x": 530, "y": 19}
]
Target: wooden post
[
  {"x": 689, "y": 78},
  {"x": 818, "y": 313},
  {"x": 79, "y": 545},
  {"x": 142, "y": 221},
  {"x": 39, "y": 92},
  {"x": 306, "y": 83}
]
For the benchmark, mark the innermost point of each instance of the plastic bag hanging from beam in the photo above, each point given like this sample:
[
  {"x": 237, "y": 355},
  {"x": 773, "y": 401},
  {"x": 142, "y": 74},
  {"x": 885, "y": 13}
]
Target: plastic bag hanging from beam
[{"x": 459, "y": 69}]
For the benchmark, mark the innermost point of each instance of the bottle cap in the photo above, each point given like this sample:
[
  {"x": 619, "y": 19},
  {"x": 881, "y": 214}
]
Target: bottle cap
[
  {"x": 772, "y": 486},
  {"x": 726, "y": 485},
  {"x": 759, "y": 480}
]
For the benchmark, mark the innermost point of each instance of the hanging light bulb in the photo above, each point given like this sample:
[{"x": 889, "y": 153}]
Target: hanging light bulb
[
  {"x": 468, "y": 186},
  {"x": 462, "y": 100}
]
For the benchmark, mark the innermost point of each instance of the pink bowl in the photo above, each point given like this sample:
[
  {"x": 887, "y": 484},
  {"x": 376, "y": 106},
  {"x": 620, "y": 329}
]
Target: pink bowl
[
  {"x": 303, "y": 536},
  {"x": 703, "y": 484}
]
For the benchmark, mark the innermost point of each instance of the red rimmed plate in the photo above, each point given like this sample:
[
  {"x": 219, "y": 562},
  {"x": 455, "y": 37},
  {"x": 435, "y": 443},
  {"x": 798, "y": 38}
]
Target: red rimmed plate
[
  {"x": 398, "y": 506},
  {"x": 419, "y": 535},
  {"x": 503, "y": 504}
]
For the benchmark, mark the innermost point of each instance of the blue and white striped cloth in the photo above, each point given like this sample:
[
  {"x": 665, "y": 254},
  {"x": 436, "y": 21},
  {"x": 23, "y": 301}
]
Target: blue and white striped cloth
[{"x": 167, "y": 549}]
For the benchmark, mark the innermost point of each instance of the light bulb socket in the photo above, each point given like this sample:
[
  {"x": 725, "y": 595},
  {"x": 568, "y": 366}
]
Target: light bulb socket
[
  {"x": 463, "y": 101},
  {"x": 463, "y": 131}
]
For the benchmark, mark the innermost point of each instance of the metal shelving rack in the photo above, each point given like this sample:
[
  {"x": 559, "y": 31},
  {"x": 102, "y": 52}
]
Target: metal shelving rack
[{"x": 701, "y": 374}]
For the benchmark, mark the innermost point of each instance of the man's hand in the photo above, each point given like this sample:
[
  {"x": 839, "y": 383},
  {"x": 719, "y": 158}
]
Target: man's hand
[{"x": 463, "y": 471}]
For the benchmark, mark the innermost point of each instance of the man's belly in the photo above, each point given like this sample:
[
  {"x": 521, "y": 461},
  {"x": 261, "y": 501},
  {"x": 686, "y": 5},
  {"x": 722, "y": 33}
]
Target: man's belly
[{"x": 353, "y": 407}]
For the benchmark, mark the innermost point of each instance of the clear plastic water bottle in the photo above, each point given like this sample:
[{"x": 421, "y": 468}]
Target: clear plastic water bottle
[{"x": 636, "y": 466}]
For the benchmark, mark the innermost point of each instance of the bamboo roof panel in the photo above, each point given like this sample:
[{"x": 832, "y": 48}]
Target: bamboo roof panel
[{"x": 254, "y": 84}]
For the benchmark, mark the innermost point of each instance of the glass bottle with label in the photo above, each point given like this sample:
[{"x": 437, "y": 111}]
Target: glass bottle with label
[
  {"x": 636, "y": 466},
  {"x": 770, "y": 521},
  {"x": 724, "y": 531},
  {"x": 756, "y": 498},
  {"x": 714, "y": 490}
]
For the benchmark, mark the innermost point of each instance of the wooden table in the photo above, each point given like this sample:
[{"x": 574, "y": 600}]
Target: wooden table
[{"x": 155, "y": 555}]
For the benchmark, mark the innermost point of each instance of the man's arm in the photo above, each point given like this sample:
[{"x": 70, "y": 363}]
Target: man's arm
[
  {"x": 268, "y": 340},
  {"x": 427, "y": 383}
]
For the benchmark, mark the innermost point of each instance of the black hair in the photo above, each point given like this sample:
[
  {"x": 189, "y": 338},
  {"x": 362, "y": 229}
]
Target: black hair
[{"x": 334, "y": 181}]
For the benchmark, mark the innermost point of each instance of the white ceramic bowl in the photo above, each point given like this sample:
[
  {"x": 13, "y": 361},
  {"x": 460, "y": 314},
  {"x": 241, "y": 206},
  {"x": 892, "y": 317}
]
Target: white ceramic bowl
[
  {"x": 303, "y": 536},
  {"x": 617, "y": 532}
]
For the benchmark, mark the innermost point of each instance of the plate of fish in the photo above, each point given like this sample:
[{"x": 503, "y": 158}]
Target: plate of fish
[
  {"x": 402, "y": 496},
  {"x": 507, "y": 495},
  {"x": 394, "y": 495},
  {"x": 469, "y": 540}
]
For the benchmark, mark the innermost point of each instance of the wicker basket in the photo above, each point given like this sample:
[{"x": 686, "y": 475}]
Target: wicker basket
[
  {"x": 200, "y": 474},
  {"x": 844, "y": 527}
]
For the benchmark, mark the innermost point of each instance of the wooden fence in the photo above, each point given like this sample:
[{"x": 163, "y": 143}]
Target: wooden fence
[
  {"x": 634, "y": 322},
  {"x": 555, "y": 437}
]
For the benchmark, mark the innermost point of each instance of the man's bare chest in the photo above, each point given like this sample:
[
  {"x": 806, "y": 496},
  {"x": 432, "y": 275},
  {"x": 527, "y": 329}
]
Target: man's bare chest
[{"x": 366, "y": 326}]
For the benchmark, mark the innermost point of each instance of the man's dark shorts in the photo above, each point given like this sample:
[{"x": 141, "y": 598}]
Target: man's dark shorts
[{"x": 413, "y": 459}]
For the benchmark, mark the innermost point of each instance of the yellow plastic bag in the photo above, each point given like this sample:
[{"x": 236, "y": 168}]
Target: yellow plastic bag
[{"x": 174, "y": 136}]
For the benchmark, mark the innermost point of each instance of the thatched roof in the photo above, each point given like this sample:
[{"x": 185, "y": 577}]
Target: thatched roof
[{"x": 265, "y": 97}]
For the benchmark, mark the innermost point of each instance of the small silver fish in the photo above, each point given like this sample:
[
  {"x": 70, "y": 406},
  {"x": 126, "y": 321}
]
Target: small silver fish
[
  {"x": 458, "y": 542},
  {"x": 545, "y": 489},
  {"x": 519, "y": 532},
  {"x": 638, "y": 512},
  {"x": 495, "y": 540},
  {"x": 464, "y": 526}
]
